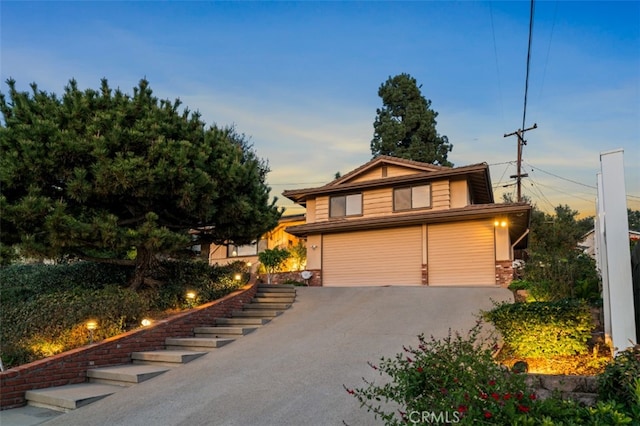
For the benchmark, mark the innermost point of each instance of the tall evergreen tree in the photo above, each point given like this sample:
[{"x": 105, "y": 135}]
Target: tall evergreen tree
[
  {"x": 96, "y": 173},
  {"x": 405, "y": 126}
]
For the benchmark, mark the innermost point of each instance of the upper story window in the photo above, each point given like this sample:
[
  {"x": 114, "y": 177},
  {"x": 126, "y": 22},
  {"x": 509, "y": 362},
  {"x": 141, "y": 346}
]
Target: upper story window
[
  {"x": 345, "y": 205},
  {"x": 412, "y": 197}
]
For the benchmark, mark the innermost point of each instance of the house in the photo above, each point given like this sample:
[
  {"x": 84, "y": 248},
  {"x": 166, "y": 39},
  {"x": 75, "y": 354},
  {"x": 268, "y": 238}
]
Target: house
[
  {"x": 393, "y": 221},
  {"x": 277, "y": 237},
  {"x": 588, "y": 242}
]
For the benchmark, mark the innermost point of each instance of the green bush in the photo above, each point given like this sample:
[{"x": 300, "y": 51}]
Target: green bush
[
  {"x": 45, "y": 307},
  {"x": 620, "y": 381},
  {"x": 55, "y": 322},
  {"x": 543, "y": 329},
  {"x": 450, "y": 380}
]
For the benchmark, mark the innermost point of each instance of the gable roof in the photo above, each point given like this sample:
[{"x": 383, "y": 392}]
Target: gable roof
[
  {"x": 383, "y": 160},
  {"x": 476, "y": 174}
]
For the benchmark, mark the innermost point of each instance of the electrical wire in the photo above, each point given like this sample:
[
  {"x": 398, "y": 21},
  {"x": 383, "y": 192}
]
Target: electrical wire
[
  {"x": 526, "y": 84},
  {"x": 546, "y": 60},
  {"x": 495, "y": 53},
  {"x": 559, "y": 177}
]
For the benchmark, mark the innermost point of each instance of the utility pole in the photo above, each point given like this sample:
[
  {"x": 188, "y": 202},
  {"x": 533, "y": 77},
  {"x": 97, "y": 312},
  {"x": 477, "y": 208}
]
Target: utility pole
[{"x": 521, "y": 142}]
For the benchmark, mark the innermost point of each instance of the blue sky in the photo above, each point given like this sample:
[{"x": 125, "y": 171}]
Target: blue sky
[{"x": 301, "y": 78}]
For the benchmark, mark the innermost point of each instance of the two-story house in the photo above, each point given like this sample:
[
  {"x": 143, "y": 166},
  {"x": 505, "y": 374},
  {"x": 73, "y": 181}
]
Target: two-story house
[{"x": 393, "y": 221}]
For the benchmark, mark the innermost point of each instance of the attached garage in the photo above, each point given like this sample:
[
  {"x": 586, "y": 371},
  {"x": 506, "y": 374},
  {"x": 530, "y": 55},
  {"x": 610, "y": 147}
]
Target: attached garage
[
  {"x": 390, "y": 256},
  {"x": 461, "y": 253}
]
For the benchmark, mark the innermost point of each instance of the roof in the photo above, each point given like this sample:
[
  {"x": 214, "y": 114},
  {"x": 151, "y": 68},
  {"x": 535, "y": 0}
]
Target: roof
[
  {"x": 518, "y": 215},
  {"x": 476, "y": 174}
]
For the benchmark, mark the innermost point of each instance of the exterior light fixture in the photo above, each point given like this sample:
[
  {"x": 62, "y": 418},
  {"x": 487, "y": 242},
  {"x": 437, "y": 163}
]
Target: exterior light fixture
[
  {"x": 146, "y": 322},
  {"x": 237, "y": 277},
  {"x": 91, "y": 325},
  {"x": 191, "y": 295},
  {"x": 248, "y": 264},
  {"x": 503, "y": 223}
]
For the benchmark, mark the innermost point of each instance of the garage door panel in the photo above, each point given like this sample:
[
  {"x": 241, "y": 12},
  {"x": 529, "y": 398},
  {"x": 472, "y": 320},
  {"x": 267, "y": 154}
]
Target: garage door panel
[
  {"x": 366, "y": 258},
  {"x": 461, "y": 253}
]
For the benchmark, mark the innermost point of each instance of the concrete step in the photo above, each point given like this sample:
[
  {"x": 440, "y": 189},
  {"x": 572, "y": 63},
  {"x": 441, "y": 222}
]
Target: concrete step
[
  {"x": 256, "y": 313},
  {"x": 264, "y": 288},
  {"x": 169, "y": 358},
  {"x": 222, "y": 331},
  {"x": 242, "y": 321},
  {"x": 70, "y": 397},
  {"x": 124, "y": 375},
  {"x": 277, "y": 297},
  {"x": 271, "y": 300},
  {"x": 287, "y": 295},
  {"x": 195, "y": 343},
  {"x": 267, "y": 305}
]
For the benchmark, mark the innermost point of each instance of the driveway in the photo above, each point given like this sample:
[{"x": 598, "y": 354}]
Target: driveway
[{"x": 292, "y": 371}]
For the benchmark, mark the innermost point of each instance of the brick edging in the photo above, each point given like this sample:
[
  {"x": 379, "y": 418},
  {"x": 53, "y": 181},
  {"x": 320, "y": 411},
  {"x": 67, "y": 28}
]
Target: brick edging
[{"x": 70, "y": 367}]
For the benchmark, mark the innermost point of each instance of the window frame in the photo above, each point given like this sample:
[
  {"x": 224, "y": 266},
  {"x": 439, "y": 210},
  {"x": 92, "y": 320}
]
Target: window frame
[
  {"x": 411, "y": 198},
  {"x": 345, "y": 197}
]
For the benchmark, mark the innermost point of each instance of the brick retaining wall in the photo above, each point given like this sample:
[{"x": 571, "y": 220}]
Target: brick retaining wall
[{"x": 70, "y": 367}]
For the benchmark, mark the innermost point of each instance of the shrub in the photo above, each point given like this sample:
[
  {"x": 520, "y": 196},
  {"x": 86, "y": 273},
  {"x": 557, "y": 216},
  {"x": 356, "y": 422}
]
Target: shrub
[
  {"x": 450, "y": 380},
  {"x": 543, "y": 329},
  {"x": 620, "y": 381}
]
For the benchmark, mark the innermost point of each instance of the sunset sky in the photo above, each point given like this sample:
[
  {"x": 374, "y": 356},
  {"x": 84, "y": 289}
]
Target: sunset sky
[{"x": 301, "y": 78}]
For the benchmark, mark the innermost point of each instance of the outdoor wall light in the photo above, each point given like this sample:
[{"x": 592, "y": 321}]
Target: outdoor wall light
[
  {"x": 500, "y": 223},
  {"x": 145, "y": 322},
  {"x": 313, "y": 246}
]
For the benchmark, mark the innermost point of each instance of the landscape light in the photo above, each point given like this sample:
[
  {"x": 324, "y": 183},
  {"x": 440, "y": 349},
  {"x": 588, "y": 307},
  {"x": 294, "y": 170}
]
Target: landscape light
[
  {"x": 237, "y": 277},
  {"x": 191, "y": 295},
  {"x": 91, "y": 325},
  {"x": 146, "y": 322}
]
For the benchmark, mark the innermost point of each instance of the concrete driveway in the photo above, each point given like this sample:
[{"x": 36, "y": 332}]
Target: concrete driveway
[{"x": 292, "y": 371}]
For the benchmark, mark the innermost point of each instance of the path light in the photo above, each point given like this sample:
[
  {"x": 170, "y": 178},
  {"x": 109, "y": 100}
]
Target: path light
[
  {"x": 91, "y": 325},
  {"x": 191, "y": 295},
  {"x": 237, "y": 277},
  {"x": 146, "y": 322}
]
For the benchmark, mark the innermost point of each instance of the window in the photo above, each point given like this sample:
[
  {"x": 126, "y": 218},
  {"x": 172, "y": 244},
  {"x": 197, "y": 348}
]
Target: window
[
  {"x": 413, "y": 197},
  {"x": 345, "y": 205},
  {"x": 246, "y": 249}
]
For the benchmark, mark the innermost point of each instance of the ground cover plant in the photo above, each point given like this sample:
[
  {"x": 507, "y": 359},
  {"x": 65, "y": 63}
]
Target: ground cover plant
[{"x": 45, "y": 307}]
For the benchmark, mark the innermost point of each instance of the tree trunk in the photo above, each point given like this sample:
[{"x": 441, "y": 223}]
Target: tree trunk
[{"x": 145, "y": 262}]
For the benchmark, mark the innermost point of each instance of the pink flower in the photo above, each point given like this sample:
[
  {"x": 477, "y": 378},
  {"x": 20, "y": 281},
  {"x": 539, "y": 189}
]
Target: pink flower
[
  {"x": 462, "y": 409},
  {"x": 495, "y": 396},
  {"x": 507, "y": 396},
  {"x": 487, "y": 415}
]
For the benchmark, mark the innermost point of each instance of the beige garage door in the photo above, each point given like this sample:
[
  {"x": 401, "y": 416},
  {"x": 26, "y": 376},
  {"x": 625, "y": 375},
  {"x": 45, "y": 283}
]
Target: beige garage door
[
  {"x": 461, "y": 253},
  {"x": 369, "y": 258}
]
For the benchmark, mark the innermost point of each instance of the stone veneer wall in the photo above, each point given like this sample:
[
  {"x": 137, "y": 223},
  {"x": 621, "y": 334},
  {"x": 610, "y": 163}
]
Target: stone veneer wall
[
  {"x": 504, "y": 272},
  {"x": 583, "y": 389},
  {"x": 281, "y": 277},
  {"x": 70, "y": 367}
]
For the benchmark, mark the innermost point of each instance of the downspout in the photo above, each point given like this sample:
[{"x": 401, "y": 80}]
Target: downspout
[{"x": 517, "y": 241}]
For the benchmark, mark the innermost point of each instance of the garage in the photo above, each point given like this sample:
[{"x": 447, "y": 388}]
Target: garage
[
  {"x": 461, "y": 253},
  {"x": 390, "y": 256}
]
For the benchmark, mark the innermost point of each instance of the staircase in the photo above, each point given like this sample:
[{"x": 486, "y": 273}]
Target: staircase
[{"x": 269, "y": 302}]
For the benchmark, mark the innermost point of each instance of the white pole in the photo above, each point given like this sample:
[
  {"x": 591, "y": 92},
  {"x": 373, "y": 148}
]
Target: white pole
[
  {"x": 601, "y": 261},
  {"x": 618, "y": 257}
]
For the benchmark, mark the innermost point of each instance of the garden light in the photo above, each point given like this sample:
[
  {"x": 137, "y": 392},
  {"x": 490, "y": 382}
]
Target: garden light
[
  {"x": 146, "y": 322},
  {"x": 191, "y": 295},
  {"x": 91, "y": 325},
  {"x": 237, "y": 277}
]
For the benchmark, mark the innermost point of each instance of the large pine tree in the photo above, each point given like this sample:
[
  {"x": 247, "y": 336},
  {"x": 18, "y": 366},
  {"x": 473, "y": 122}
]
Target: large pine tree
[
  {"x": 95, "y": 173},
  {"x": 405, "y": 126}
]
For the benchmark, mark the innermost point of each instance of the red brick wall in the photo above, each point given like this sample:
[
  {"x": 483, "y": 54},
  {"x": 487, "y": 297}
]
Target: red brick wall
[
  {"x": 425, "y": 274},
  {"x": 70, "y": 367},
  {"x": 504, "y": 272}
]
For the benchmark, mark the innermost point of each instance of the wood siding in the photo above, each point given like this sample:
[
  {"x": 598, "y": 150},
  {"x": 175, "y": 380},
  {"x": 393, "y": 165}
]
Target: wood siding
[
  {"x": 376, "y": 173},
  {"x": 373, "y": 258},
  {"x": 378, "y": 202},
  {"x": 440, "y": 195},
  {"x": 461, "y": 253}
]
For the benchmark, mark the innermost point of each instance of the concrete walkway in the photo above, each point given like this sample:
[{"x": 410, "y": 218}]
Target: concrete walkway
[{"x": 292, "y": 371}]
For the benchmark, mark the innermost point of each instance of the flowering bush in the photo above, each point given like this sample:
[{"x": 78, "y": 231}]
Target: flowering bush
[{"x": 453, "y": 380}]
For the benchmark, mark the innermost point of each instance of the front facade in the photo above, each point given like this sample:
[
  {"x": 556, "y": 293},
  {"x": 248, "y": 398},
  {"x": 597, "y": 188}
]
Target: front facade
[{"x": 399, "y": 222}]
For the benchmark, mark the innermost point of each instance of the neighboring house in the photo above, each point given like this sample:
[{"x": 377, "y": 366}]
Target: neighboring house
[
  {"x": 399, "y": 222},
  {"x": 588, "y": 242},
  {"x": 278, "y": 237}
]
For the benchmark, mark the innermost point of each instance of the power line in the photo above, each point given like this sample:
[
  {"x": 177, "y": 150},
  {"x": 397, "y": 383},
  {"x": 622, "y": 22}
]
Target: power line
[
  {"x": 526, "y": 81},
  {"x": 560, "y": 177}
]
